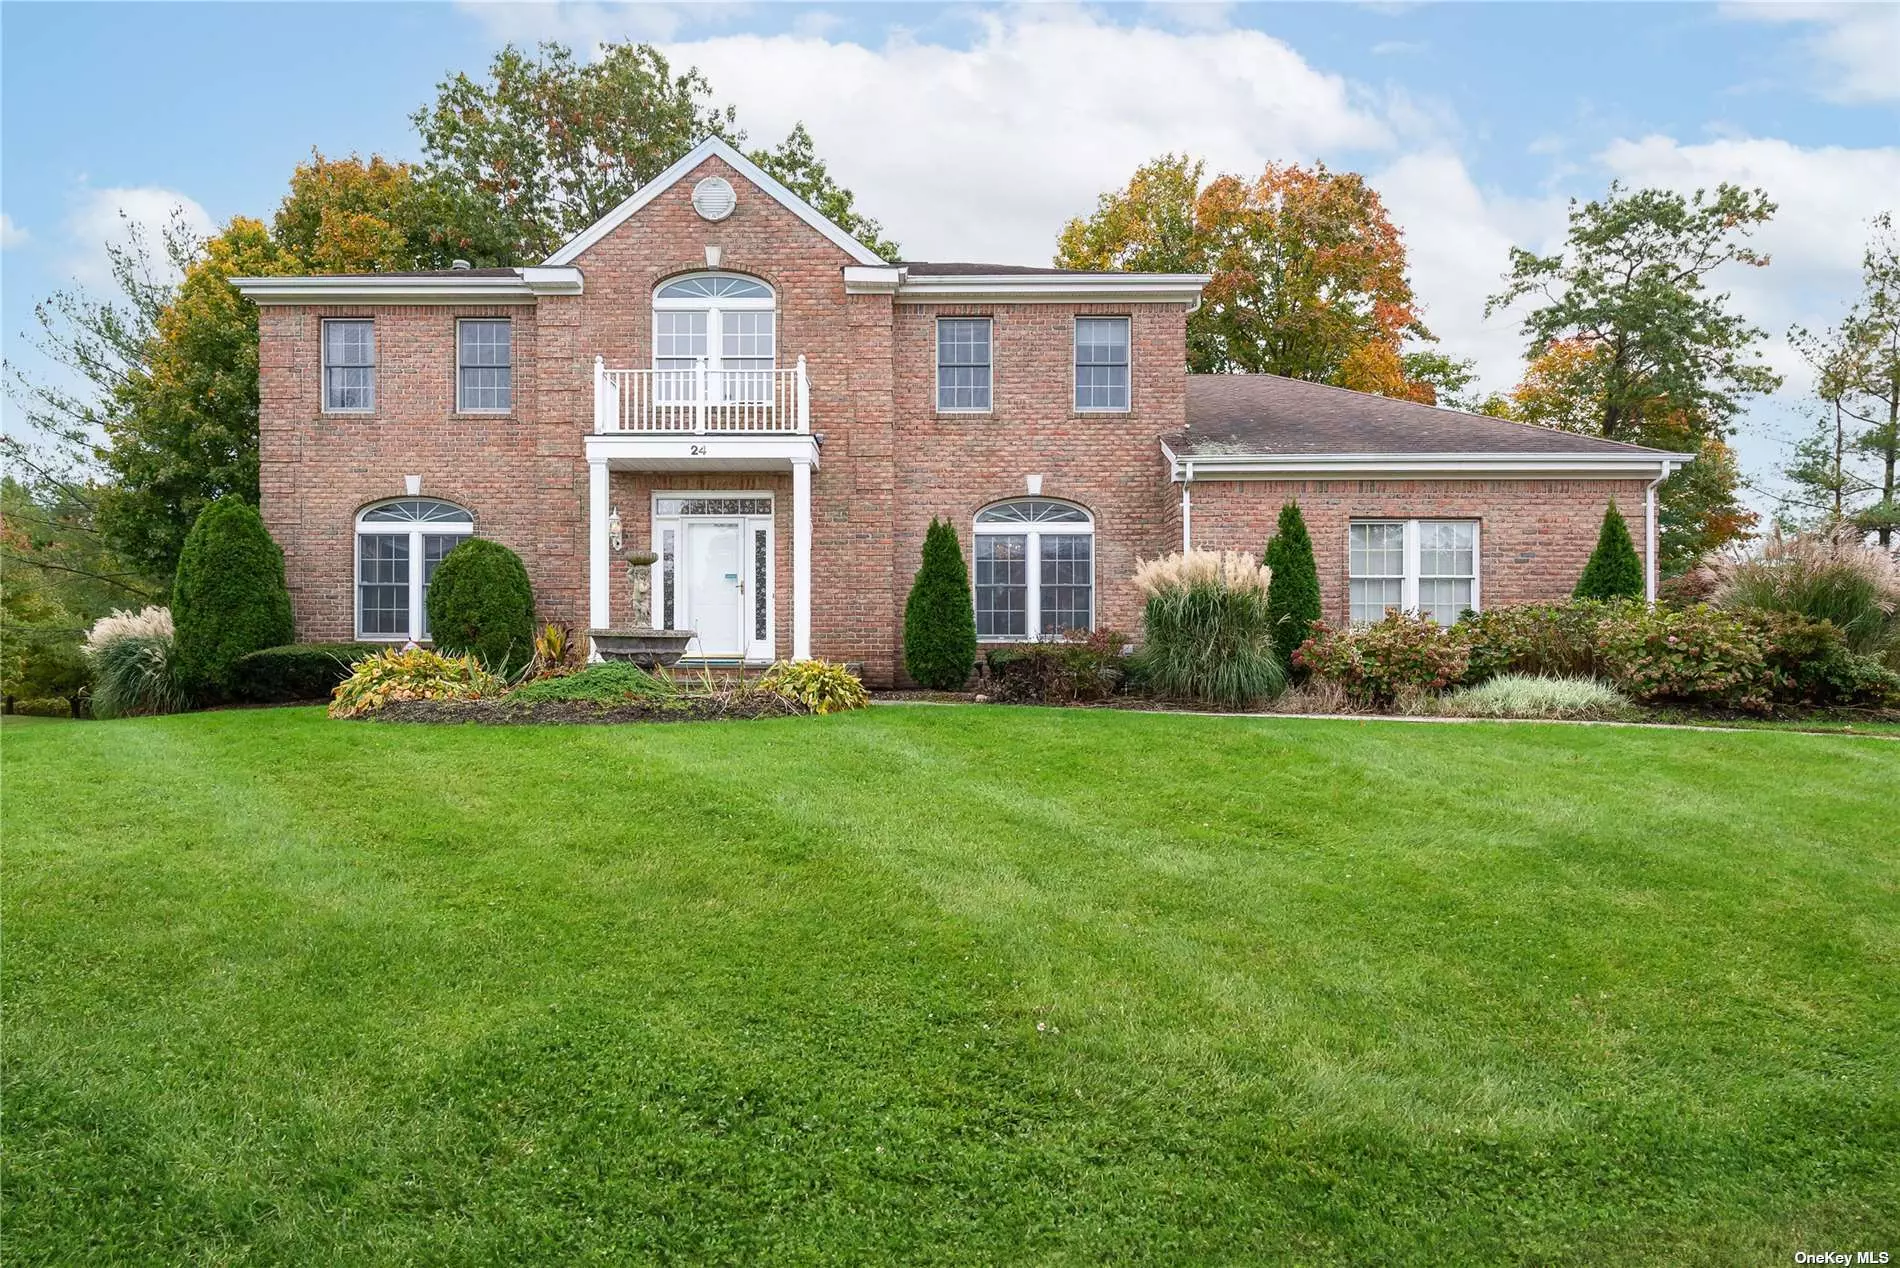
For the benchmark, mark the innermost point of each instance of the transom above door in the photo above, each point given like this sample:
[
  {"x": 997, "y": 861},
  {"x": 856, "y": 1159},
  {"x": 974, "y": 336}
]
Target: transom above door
[
  {"x": 715, "y": 338},
  {"x": 715, "y": 574}
]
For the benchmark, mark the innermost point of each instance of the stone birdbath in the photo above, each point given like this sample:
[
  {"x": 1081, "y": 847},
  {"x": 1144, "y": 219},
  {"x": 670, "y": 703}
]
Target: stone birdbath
[{"x": 641, "y": 643}]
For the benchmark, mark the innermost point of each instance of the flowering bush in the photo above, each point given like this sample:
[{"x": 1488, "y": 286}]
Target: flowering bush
[
  {"x": 411, "y": 673},
  {"x": 1207, "y": 630},
  {"x": 1402, "y": 654},
  {"x": 1544, "y": 639},
  {"x": 819, "y": 685},
  {"x": 1699, "y": 655}
]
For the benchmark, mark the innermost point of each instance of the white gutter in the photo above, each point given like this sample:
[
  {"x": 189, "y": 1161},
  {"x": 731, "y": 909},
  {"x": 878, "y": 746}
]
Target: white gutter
[
  {"x": 1650, "y": 534},
  {"x": 524, "y": 287},
  {"x": 1361, "y": 466},
  {"x": 1051, "y": 288}
]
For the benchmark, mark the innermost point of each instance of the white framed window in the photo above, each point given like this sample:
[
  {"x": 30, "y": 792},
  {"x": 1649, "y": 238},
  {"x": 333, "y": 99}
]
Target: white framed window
[
  {"x": 484, "y": 365},
  {"x": 398, "y": 545},
  {"x": 1101, "y": 363},
  {"x": 1034, "y": 569},
  {"x": 724, "y": 324},
  {"x": 1424, "y": 566},
  {"x": 963, "y": 365},
  {"x": 349, "y": 365}
]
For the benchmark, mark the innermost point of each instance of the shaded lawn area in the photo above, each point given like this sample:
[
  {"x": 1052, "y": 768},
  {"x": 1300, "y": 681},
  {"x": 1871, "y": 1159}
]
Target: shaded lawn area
[{"x": 947, "y": 985}]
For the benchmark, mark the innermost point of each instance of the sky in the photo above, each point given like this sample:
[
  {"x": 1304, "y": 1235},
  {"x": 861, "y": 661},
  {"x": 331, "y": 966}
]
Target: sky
[{"x": 974, "y": 132}]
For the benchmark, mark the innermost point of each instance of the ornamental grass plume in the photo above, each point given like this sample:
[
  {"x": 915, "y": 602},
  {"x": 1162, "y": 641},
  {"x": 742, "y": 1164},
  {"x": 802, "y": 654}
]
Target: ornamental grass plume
[
  {"x": 1207, "y": 630},
  {"x": 1826, "y": 575},
  {"x": 147, "y": 622}
]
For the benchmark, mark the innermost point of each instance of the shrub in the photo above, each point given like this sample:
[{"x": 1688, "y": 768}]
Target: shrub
[
  {"x": 296, "y": 671},
  {"x": 1533, "y": 638},
  {"x": 1079, "y": 667},
  {"x": 411, "y": 673},
  {"x": 1696, "y": 656},
  {"x": 1538, "y": 696},
  {"x": 480, "y": 604},
  {"x": 55, "y": 668},
  {"x": 228, "y": 597},
  {"x": 1293, "y": 594},
  {"x": 608, "y": 682},
  {"x": 1206, "y": 634},
  {"x": 819, "y": 685},
  {"x": 1810, "y": 662},
  {"x": 939, "y": 623},
  {"x": 1378, "y": 664},
  {"x": 1824, "y": 576},
  {"x": 135, "y": 674},
  {"x": 1614, "y": 571}
]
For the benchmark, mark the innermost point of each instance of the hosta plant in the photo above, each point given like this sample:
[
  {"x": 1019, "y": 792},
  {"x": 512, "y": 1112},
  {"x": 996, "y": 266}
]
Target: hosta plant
[
  {"x": 818, "y": 685},
  {"x": 411, "y": 673}
]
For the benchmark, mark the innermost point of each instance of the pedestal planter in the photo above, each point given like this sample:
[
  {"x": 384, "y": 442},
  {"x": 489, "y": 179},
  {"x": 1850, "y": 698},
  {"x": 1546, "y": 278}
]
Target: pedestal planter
[{"x": 647, "y": 648}]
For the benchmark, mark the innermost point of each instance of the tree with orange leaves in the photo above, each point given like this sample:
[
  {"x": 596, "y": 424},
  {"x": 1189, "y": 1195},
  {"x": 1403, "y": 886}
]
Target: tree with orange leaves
[{"x": 1308, "y": 271}]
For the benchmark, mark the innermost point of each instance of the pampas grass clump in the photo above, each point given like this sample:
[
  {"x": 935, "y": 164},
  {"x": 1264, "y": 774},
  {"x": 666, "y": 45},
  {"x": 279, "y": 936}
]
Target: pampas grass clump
[
  {"x": 1207, "y": 633},
  {"x": 149, "y": 622},
  {"x": 1824, "y": 576}
]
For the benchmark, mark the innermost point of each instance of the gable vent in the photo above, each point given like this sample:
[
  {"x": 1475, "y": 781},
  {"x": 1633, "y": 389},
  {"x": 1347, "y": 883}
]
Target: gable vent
[{"x": 713, "y": 198}]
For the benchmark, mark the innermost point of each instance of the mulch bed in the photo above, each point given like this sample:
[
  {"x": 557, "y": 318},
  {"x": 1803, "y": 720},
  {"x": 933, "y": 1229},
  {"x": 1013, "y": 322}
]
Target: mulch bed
[{"x": 504, "y": 712}]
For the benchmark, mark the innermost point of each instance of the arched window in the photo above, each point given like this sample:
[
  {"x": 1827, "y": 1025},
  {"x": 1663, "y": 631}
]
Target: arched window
[
  {"x": 722, "y": 324},
  {"x": 398, "y": 545},
  {"x": 1035, "y": 569}
]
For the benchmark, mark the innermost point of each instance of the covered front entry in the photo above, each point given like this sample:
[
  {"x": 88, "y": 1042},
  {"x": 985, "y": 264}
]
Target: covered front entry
[{"x": 715, "y": 572}]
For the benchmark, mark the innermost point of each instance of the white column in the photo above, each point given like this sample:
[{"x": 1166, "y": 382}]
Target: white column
[
  {"x": 801, "y": 561},
  {"x": 599, "y": 574}
]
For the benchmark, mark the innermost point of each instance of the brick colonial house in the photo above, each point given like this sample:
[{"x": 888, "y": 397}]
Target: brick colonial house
[{"x": 716, "y": 373}]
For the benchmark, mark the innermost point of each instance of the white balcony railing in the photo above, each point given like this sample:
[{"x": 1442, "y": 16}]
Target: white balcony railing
[{"x": 699, "y": 401}]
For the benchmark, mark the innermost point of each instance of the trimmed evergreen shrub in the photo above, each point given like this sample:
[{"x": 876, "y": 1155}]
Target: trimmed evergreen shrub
[
  {"x": 1614, "y": 571},
  {"x": 939, "y": 621},
  {"x": 228, "y": 597},
  {"x": 297, "y": 671},
  {"x": 480, "y": 603},
  {"x": 1293, "y": 594}
]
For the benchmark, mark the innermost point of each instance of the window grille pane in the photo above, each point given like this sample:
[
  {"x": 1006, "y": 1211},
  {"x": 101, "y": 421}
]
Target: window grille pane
[
  {"x": 435, "y": 548},
  {"x": 418, "y": 510},
  {"x": 486, "y": 365},
  {"x": 383, "y": 584},
  {"x": 712, "y": 506},
  {"x": 1101, "y": 363},
  {"x": 666, "y": 577},
  {"x": 1443, "y": 600},
  {"x": 679, "y": 337},
  {"x": 1032, "y": 511},
  {"x": 758, "y": 584},
  {"x": 715, "y": 288},
  {"x": 1447, "y": 548},
  {"x": 963, "y": 363},
  {"x": 747, "y": 336},
  {"x": 1067, "y": 583},
  {"x": 1002, "y": 585},
  {"x": 1377, "y": 550},
  {"x": 349, "y": 365},
  {"x": 1372, "y": 599}
]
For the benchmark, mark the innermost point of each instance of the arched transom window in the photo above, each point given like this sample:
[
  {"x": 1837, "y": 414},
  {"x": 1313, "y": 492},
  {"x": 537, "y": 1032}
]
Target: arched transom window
[
  {"x": 1035, "y": 569},
  {"x": 398, "y": 545},
  {"x": 716, "y": 332}
]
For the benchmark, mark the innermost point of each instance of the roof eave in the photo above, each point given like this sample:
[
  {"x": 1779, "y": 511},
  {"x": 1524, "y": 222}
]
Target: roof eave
[
  {"x": 1054, "y": 288},
  {"x": 526, "y": 286},
  {"x": 1231, "y": 466}
]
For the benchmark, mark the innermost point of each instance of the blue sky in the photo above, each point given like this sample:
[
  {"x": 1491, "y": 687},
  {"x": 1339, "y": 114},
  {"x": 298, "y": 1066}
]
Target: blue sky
[{"x": 973, "y": 131}]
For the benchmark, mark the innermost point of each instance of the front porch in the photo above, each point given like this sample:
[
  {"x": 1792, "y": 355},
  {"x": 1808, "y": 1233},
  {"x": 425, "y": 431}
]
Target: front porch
[{"x": 713, "y": 470}]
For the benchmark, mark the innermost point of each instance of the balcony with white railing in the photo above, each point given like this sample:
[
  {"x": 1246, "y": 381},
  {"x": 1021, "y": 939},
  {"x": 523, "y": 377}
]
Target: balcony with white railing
[{"x": 702, "y": 401}]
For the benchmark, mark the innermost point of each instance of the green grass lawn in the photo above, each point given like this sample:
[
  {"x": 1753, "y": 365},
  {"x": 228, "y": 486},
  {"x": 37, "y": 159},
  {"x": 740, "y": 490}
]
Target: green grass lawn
[{"x": 952, "y": 985}]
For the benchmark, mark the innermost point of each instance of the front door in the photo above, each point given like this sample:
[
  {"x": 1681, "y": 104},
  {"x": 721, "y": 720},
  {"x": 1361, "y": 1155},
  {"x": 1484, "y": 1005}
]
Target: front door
[{"x": 715, "y": 586}]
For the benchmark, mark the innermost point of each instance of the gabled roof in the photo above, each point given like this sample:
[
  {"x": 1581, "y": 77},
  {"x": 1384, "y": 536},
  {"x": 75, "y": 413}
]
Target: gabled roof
[
  {"x": 1263, "y": 422},
  {"x": 712, "y": 147}
]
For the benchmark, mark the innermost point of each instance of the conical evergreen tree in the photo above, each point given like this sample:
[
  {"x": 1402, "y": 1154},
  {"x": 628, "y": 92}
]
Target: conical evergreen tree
[
  {"x": 228, "y": 597},
  {"x": 1614, "y": 570},
  {"x": 1293, "y": 594},
  {"x": 939, "y": 622}
]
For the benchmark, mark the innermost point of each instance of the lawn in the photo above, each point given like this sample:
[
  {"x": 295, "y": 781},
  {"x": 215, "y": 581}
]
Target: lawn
[{"x": 953, "y": 985}]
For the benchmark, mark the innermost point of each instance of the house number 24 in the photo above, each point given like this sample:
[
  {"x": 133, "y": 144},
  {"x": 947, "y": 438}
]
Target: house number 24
[{"x": 696, "y": 450}]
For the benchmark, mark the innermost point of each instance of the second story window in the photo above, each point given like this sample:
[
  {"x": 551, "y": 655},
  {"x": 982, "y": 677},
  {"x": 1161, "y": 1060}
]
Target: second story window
[
  {"x": 724, "y": 324},
  {"x": 1101, "y": 363},
  {"x": 349, "y": 365},
  {"x": 484, "y": 365},
  {"x": 963, "y": 363}
]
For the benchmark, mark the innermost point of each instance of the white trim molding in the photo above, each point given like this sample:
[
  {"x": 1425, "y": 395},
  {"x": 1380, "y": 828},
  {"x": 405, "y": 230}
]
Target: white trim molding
[
  {"x": 451, "y": 287},
  {"x": 1049, "y": 288},
  {"x": 713, "y": 147},
  {"x": 1637, "y": 464}
]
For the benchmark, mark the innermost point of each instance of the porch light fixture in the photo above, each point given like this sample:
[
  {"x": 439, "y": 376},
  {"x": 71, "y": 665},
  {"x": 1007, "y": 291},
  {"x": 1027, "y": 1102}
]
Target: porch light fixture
[{"x": 613, "y": 528}]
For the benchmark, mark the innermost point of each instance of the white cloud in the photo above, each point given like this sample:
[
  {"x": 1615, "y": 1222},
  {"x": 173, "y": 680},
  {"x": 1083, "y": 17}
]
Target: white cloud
[
  {"x": 103, "y": 218},
  {"x": 1854, "y": 48},
  {"x": 12, "y": 235}
]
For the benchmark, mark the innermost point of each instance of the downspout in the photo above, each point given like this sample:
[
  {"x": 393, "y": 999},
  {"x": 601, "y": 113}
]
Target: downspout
[
  {"x": 1649, "y": 536},
  {"x": 1187, "y": 507}
]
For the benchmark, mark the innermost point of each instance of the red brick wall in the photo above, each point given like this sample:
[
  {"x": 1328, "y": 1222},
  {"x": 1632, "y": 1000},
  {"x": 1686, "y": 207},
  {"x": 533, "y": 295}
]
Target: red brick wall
[{"x": 1534, "y": 535}]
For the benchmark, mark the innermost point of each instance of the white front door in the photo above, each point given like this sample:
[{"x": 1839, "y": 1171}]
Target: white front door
[{"x": 716, "y": 586}]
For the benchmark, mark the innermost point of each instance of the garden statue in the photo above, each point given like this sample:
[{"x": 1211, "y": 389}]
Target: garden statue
[{"x": 640, "y": 574}]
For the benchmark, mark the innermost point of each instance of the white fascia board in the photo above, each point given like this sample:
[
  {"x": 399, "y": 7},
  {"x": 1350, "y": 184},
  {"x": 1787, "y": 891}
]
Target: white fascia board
[
  {"x": 711, "y": 147},
  {"x": 523, "y": 288},
  {"x": 1054, "y": 288},
  {"x": 869, "y": 280},
  {"x": 687, "y": 451},
  {"x": 1453, "y": 466}
]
